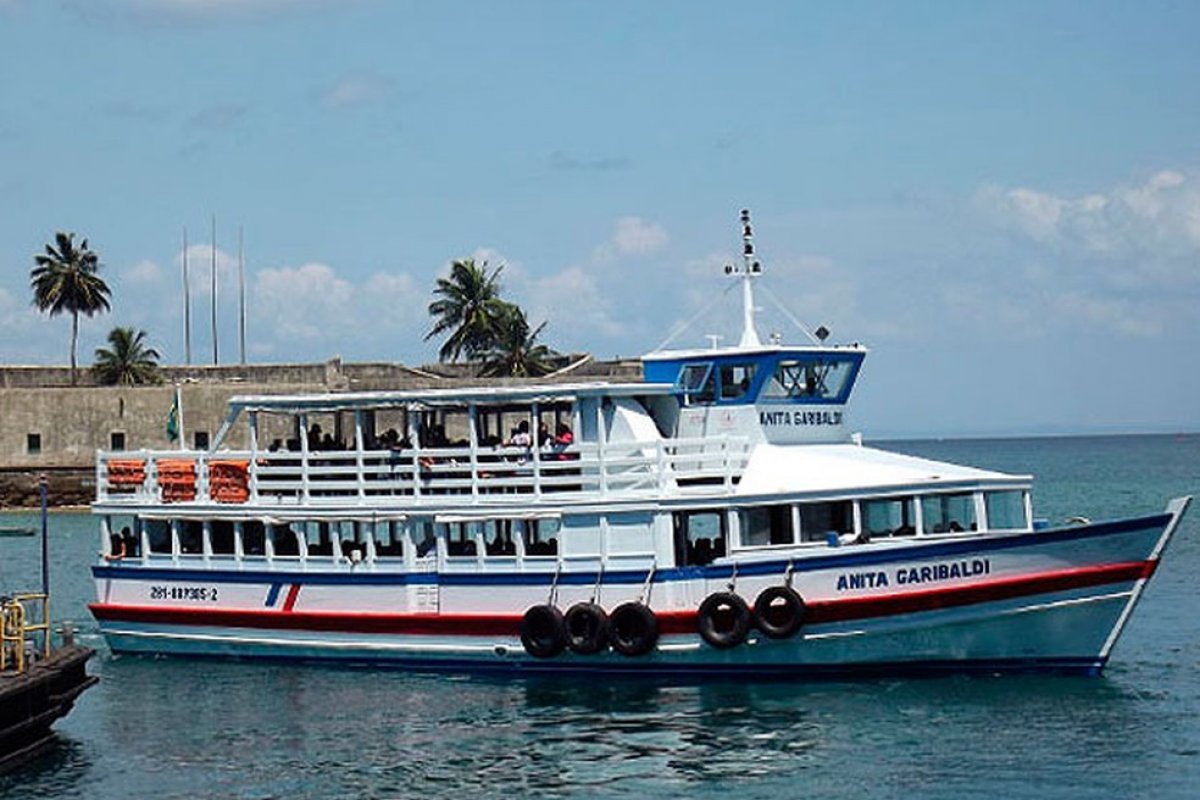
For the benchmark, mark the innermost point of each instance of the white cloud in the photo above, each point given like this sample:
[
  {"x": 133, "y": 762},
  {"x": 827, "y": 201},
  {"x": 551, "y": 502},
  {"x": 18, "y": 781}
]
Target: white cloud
[
  {"x": 1155, "y": 220},
  {"x": 309, "y": 302},
  {"x": 633, "y": 235},
  {"x": 356, "y": 90},
  {"x": 144, "y": 272}
]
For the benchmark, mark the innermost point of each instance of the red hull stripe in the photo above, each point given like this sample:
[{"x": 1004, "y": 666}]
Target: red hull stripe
[{"x": 850, "y": 608}]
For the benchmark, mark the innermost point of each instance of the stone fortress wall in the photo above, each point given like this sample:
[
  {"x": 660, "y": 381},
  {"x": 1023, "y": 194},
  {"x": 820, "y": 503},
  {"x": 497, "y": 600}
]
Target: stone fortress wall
[{"x": 49, "y": 427}]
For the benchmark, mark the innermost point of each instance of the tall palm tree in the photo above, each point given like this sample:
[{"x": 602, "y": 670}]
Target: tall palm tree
[
  {"x": 469, "y": 306},
  {"x": 516, "y": 352},
  {"x": 66, "y": 279},
  {"x": 129, "y": 361}
]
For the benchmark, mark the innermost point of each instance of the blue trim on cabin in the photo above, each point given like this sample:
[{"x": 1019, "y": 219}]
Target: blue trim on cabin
[
  {"x": 765, "y": 363},
  {"x": 838, "y": 558}
]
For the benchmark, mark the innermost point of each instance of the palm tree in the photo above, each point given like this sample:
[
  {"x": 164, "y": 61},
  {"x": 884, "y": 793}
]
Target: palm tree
[
  {"x": 66, "y": 279},
  {"x": 129, "y": 362},
  {"x": 469, "y": 306},
  {"x": 516, "y": 352}
]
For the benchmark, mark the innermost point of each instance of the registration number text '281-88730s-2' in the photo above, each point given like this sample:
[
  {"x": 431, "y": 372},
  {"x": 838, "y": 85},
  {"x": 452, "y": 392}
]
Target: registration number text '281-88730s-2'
[{"x": 200, "y": 594}]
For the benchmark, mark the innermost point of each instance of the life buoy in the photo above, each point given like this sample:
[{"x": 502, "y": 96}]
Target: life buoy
[
  {"x": 779, "y": 612},
  {"x": 723, "y": 620},
  {"x": 586, "y": 627},
  {"x": 633, "y": 629},
  {"x": 542, "y": 631}
]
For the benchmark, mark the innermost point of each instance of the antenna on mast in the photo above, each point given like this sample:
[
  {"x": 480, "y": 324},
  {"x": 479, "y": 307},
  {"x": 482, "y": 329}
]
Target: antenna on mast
[{"x": 749, "y": 270}]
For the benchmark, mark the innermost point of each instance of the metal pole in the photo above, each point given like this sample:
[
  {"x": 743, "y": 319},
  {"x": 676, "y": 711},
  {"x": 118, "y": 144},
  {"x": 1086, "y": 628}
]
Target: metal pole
[
  {"x": 43, "y": 485},
  {"x": 216, "y": 360}
]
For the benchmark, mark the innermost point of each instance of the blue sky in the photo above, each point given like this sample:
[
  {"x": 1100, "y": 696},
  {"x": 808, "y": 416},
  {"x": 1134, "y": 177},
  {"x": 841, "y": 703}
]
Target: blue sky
[{"x": 1001, "y": 199}]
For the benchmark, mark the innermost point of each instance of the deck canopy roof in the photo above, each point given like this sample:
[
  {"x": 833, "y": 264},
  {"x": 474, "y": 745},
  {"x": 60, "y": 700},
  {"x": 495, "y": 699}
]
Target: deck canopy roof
[
  {"x": 853, "y": 469},
  {"x": 524, "y": 394}
]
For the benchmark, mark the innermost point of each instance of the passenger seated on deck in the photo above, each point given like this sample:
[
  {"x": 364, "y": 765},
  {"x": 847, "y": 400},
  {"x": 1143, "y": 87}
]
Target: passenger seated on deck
[
  {"x": 520, "y": 436},
  {"x": 116, "y": 547},
  {"x": 132, "y": 543}
]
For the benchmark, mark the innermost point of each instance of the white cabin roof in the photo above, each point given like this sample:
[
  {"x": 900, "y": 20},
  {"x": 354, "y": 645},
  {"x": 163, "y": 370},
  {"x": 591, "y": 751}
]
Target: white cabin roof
[
  {"x": 456, "y": 396},
  {"x": 853, "y": 469}
]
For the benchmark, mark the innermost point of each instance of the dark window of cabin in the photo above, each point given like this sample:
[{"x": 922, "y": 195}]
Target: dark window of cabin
[
  {"x": 460, "y": 538},
  {"x": 158, "y": 535},
  {"x": 191, "y": 537},
  {"x": 283, "y": 539},
  {"x": 765, "y": 526},
  {"x": 809, "y": 379},
  {"x": 892, "y": 516},
  {"x": 498, "y": 539},
  {"x": 389, "y": 539},
  {"x": 200, "y": 440},
  {"x": 253, "y": 537},
  {"x": 541, "y": 537},
  {"x": 736, "y": 380},
  {"x": 221, "y": 537},
  {"x": 699, "y": 537},
  {"x": 116, "y": 440},
  {"x": 818, "y": 520},
  {"x": 33, "y": 443}
]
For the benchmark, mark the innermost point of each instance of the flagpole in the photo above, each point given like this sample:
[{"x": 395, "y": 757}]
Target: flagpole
[{"x": 179, "y": 414}]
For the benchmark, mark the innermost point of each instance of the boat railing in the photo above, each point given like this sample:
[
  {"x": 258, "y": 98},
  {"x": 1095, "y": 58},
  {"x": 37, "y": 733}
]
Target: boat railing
[
  {"x": 23, "y": 616},
  {"x": 670, "y": 466}
]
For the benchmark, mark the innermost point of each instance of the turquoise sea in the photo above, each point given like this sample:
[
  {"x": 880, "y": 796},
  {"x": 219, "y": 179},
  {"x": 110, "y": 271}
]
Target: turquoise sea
[{"x": 166, "y": 728}]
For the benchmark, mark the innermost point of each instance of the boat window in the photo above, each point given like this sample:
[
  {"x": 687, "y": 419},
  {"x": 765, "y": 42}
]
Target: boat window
[
  {"x": 460, "y": 538},
  {"x": 766, "y": 526},
  {"x": 1005, "y": 510},
  {"x": 426, "y": 538},
  {"x": 808, "y": 379},
  {"x": 284, "y": 540},
  {"x": 389, "y": 539},
  {"x": 894, "y": 516},
  {"x": 158, "y": 535},
  {"x": 497, "y": 538},
  {"x": 818, "y": 520},
  {"x": 699, "y": 537},
  {"x": 191, "y": 537},
  {"x": 735, "y": 380},
  {"x": 220, "y": 537},
  {"x": 541, "y": 537},
  {"x": 253, "y": 537},
  {"x": 949, "y": 513},
  {"x": 696, "y": 383}
]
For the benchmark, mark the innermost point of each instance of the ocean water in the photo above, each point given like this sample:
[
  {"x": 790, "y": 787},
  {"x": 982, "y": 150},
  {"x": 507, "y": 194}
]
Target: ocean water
[{"x": 170, "y": 728}]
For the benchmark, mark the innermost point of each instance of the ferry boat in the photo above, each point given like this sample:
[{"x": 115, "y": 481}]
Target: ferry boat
[{"x": 717, "y": 517}]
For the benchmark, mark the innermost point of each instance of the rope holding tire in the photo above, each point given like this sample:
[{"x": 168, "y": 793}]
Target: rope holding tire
[
  {"x": 543, "y": 633},
  {"x": 633, "y": 629},
  {"x": 723, "y": 620},
  {"x": 779, "y": 612},
  {"x": 586, "y": 628}
]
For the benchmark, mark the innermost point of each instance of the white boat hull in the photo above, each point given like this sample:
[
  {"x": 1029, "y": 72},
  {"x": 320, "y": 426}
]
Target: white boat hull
[{"x": 1046, "y": 600}]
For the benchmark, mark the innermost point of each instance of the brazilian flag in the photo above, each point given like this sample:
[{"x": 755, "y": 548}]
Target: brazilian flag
[{"x": 173, "y": 420}]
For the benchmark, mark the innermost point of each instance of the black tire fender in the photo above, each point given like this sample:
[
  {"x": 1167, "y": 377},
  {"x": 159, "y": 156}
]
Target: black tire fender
[
  {"x": 632, "y": 629},
  {"x": 779, "y": 612},
  {"x": 586, "y": 628},
  {"x": 723, "y": 620},
  {"x": 542, "y": 631}
]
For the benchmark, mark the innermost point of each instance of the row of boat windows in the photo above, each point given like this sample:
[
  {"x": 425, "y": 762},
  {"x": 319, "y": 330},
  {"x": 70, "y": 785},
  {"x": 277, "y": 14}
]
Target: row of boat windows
[
  {"x": 793, "y": 379},
  {"x": 700, "y": 536},
  {"x": 353, "y": 540}
]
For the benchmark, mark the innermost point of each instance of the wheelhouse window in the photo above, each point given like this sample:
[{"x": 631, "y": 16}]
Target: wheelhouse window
[
  {"x": 766, "y": 526},
  {"x": 699, "y": 537},
  {"x": 819, "y": 520},
  {"x": 893, "y": 516},
  {"x": 736, "y": 380},
  {"x": 697, "y": 383},
  {"x": 1005, "y": 510},
  {"x": 949, "y": 513},
  {"x": 809, "y": 379}
]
